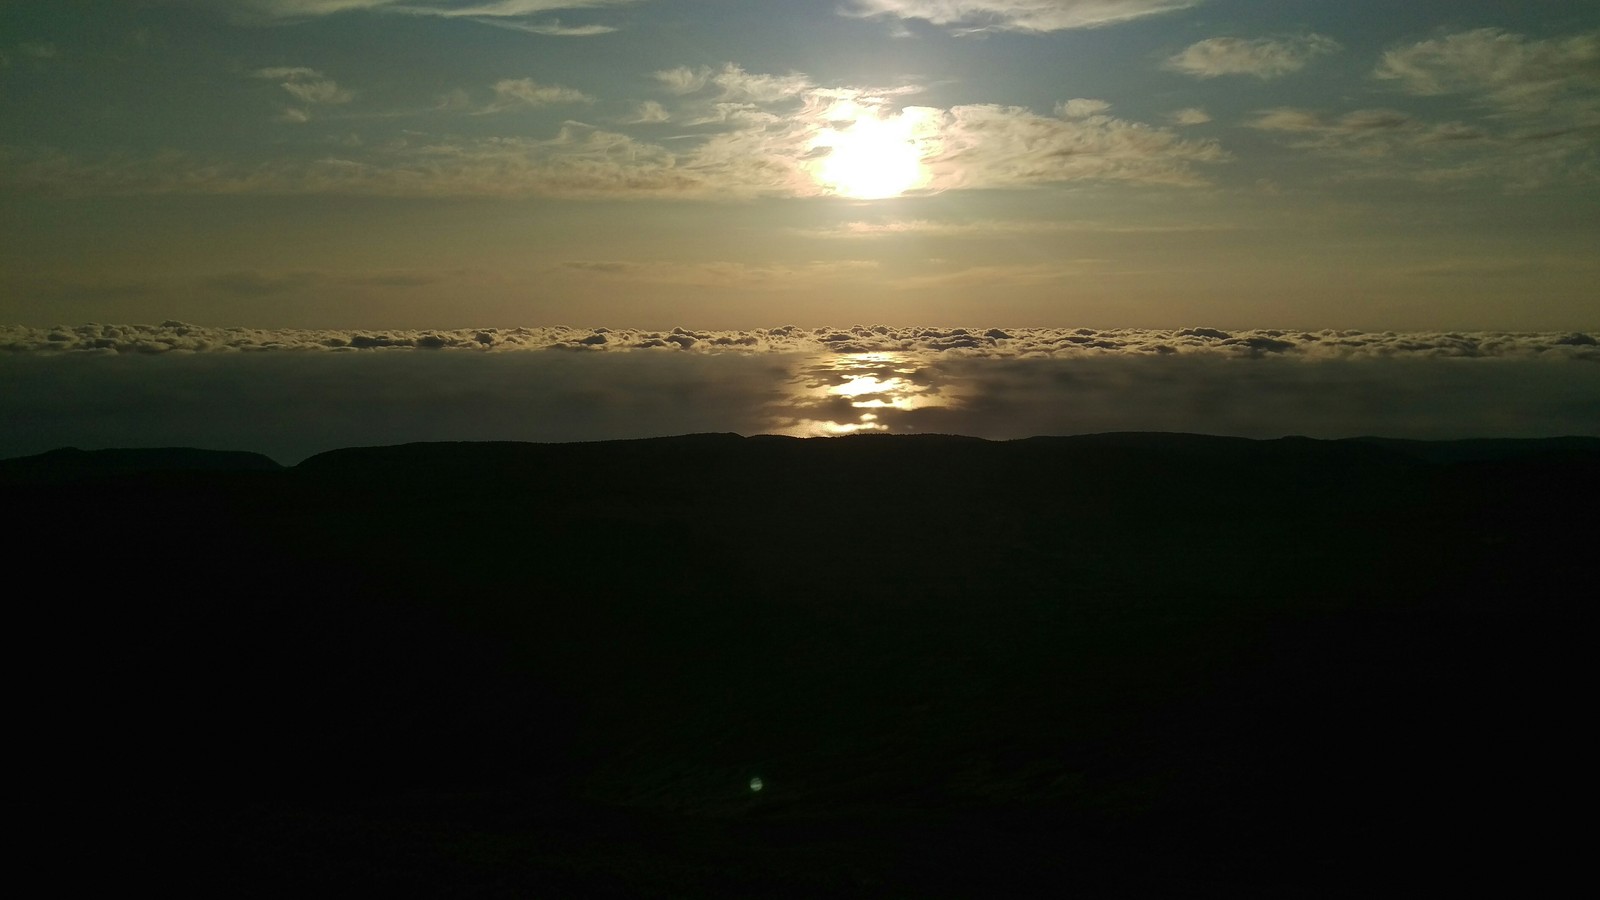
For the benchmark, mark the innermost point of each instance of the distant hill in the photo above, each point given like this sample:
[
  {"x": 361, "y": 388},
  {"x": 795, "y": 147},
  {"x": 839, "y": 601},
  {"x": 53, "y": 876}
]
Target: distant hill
[{"x": 69, "y": 463}]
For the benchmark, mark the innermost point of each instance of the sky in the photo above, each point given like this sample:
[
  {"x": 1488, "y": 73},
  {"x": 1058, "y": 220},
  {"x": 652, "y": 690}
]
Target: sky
[
  {"x": 293, "y": 225},
  {"x": 736, "y": 164}
]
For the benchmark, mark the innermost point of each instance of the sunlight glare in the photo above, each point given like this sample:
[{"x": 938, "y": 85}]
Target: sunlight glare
[{"x": 866, "y": 154}]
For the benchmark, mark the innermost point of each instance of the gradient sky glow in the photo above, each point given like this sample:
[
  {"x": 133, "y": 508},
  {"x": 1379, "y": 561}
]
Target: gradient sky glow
[{"x": 651, "y": 163}]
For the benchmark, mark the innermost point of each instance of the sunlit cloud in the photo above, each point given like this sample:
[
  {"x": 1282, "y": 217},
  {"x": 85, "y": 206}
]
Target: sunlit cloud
[
  {"x": 1017, "y": 15},
  {"x": 1189, "y": 116},
  {"x": 1262, "y": 58}
]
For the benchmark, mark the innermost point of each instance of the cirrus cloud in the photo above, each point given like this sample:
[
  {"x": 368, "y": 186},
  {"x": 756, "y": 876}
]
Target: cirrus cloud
[
  {"x": 1262, "y": 58},
  {"x": 1509, "y": 70},
  {"x": 1017, "y": 15}
]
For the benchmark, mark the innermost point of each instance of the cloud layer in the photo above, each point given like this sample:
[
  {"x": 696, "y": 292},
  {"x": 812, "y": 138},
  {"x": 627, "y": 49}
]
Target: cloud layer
[
  {"x": 180, "y": 337},
  {"x": 299, "y": 393}
]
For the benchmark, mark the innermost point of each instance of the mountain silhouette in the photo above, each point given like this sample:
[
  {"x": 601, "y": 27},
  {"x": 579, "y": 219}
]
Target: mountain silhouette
[{"x": 1126, "y": 663}]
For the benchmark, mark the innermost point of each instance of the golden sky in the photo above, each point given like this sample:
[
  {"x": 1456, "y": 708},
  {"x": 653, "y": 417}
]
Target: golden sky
[{"x": 751, "y": 163}]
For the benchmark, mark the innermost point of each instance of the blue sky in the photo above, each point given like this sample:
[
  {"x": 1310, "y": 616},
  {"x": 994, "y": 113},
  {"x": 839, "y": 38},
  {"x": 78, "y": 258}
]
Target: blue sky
[{"x": 1054, "y": 163}]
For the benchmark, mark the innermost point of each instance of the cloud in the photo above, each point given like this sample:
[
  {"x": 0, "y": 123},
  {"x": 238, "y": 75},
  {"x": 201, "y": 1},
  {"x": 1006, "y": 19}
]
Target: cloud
[
  {"x": 469, "y": 9},
  {"x": 308, "y": 86},
  {"x": 997, "y": 343},
  {"x": 1541, "y": 100},
  {"x": 487, "y": 8},
  {"x": 293, "y": 393},
  {"x": 552, "y": 28},
  {"x": 734, "y": 84},
  {"x": 649, "y": 112},
  {"x": 1017, "y": 15},
  {"x": 991, "y": 228},
  {"x": 1192, "y": 115},
  {"x": 1263, "y": 58},
  {"x": 1390, "y": 144},
  {"x": 1540, "y": 105},
  {"x": 988, "y": 146},
  {"x": 748, "y": 276},
  {"x": 525, "y": 93},
  {"x": 1513, "y": 72},
  {"x": 1080, "y": 108},
  {"x": 755, "y": 135}
]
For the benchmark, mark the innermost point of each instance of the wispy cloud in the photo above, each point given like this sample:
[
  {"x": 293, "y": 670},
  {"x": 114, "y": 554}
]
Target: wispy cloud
[
  {"x": 470, "y": 9},
  {"x": 1262, "y": 58},
  {"x": 994, "y": 229},
  {"x": 749, "y": 276},
  {"x": 755, "y": 134},
  {"x": 525, "y": 93},
  {"x": 308, "y": 86},
  {"x": 1390, "y": 144},
  {"x": 649, "y": 112},
  {"x": 1017, "y": 15},
  {"x": 552, "y": 28},
  {"x": 1513, "y": 72},
  {"x": 734, "y": 84}
]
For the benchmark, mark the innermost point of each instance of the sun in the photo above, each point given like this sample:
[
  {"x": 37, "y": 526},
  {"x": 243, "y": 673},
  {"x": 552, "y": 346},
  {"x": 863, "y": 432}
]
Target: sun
[{"x": 871, "y": 156}]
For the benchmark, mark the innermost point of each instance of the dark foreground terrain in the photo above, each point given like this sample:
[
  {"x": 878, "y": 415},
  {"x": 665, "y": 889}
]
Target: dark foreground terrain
[{"x": 1117, "y": 665}]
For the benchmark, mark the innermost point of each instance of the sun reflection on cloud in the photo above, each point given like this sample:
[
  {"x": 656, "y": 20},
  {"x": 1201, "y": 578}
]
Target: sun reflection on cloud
[{"x": 855, "y": 392}]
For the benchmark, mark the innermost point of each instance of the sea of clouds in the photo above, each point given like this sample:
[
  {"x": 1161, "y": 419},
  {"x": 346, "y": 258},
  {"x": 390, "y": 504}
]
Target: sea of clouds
[
  {"x": 171, "y": 337},
  {"x": 292, "y": 393}
]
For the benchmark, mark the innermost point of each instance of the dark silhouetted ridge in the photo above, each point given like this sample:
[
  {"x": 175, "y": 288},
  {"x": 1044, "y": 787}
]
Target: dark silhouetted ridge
[
  {"x": 1126, "y": 664},
  {"x": 71, "y": 463}
]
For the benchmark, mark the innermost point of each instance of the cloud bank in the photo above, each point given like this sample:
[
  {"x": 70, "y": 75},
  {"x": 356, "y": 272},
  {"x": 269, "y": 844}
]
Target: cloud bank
[
  {"x": 292, "y": 394},
  {"x": 183, "y": 338}
]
